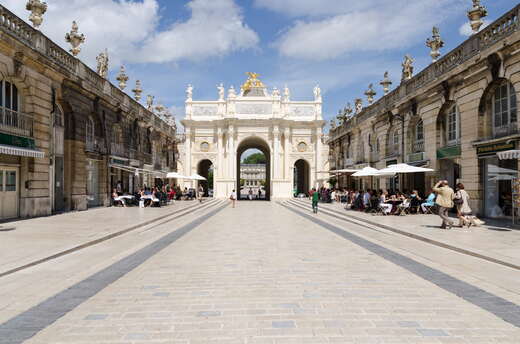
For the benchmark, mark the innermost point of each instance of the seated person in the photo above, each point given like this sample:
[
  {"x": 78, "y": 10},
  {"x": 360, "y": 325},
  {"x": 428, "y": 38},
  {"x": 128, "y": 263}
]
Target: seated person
[
  {"x": 116, "y": 199},
  {"x": 430, "y": 201},
  {"x": 385, "y": 207},
  {"x": 415, "y": 201}
]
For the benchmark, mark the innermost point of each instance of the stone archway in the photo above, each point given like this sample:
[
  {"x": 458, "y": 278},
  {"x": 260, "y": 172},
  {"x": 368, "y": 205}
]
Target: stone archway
[
  {"x": 205, "y": 169},
  {"x": 301, "y": 177},
  {"x": 256, "y": 143}
]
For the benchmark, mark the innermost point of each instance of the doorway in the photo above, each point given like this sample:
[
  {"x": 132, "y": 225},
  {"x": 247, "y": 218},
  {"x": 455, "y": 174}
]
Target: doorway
[
  {"x": 205, "y": 169},
  {"x": 301, "y": 177},
  {"x": 253, "y": 170},
  {"x": 9, "y": 180}
]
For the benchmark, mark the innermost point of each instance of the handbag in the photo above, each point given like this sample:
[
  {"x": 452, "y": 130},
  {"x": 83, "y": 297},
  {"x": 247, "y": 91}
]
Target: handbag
[{"x": 458, "y": 201}]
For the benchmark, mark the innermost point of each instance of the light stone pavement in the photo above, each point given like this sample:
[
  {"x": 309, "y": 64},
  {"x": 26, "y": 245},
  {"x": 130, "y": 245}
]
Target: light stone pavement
[{"x": 261, "y": 273}]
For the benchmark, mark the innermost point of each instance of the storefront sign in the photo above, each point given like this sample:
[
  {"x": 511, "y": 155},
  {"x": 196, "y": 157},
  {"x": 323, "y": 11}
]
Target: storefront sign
[
  {"x": 495, "y": 147},
  {"x": 119, "y": 162},
  {"x": 17, "y": 141},
  {"x": 416, "y": 156},
  {"x": 448, "y": 152}
]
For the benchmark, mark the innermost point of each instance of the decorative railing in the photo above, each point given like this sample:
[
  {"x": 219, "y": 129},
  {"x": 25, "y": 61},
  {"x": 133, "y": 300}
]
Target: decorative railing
[
  {"x": 16, "y": 123},
  {"x": 418, "y": 147},
  {"x": 392, "y": 150},
  {"x": 505, "y": 130},
  {"x": 148, "y": 159},
  {"x": 496, "y": 31},
  {"x": 119, "y": 149}
]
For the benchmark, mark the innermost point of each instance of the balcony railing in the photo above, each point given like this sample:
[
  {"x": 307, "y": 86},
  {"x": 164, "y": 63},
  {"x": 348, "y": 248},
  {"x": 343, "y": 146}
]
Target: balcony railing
[
  {"x": 392, "y": 150},
  {"x": 418, "y": 147},
  {"x": 505, "y": 130},
  {"x": 119, "y": 149},
  {"x": 16, "y": 123},
  {"x": 148, "y": 159}
]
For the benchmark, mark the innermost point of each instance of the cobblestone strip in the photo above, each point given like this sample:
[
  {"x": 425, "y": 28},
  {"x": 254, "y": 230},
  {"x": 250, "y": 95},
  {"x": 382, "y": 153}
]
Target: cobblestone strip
[
  {"x": 356, "y": 220},
  {"x": 180, "y": 212},
  {"x": 506, "y": 310},
  {"x": 30, "y": 322}
]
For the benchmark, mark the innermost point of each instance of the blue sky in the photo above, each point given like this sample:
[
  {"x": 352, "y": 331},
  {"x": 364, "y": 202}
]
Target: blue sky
[{"x": 341, "y": 44}]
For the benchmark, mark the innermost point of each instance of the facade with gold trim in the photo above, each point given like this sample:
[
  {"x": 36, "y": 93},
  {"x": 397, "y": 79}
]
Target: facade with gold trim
[
  {"x": 68, "y": 135},
  {"x": 453, "y": 117}
]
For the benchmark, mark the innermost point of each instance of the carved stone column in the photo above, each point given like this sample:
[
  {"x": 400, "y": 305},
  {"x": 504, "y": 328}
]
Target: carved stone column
[
  {"x": 220, "y": 153},
  {"x": 276, "y": 152},
  {"x": 188, "y": 152},
  {"x": 287, "y": 152},
  {"x": 319, "y": 148}
]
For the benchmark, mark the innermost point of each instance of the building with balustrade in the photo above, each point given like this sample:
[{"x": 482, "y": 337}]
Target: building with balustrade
[
  {"x": 68, "y": 135},
  {"x": 454, "y": 117},
  {"x": 289, "y": 133}
]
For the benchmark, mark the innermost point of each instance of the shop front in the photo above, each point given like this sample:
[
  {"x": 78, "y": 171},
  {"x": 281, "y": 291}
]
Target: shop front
[
  {"x": 498, "y": 177},
  {"x": 448, "y": 159}
]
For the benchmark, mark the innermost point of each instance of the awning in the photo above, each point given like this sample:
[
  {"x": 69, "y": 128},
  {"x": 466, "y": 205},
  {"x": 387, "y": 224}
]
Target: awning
[
  {"x": 510, "y": 154},
  {"x": 12, "y": 150}
]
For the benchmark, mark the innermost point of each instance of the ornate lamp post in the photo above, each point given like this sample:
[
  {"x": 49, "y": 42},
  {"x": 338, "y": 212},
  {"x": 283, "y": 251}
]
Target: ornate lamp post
[
  {"x": 475, "y": 15},
  {"x": 75, "y": 39},
  {"x": 122, "y": 78},
  {"x": 37, "y": 9},
  {"x": 137, "y": 90},
  {"x": 370, "y": 93},
  {"x": 386, "y": 83},
  {"x": 435, "y": 43}
]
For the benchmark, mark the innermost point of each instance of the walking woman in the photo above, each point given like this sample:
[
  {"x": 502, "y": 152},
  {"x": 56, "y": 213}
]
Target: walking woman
[
  {"x": 315, "y": 196},
  {"x": 464, "y": 212},
  {"x": 233, "y": 197}
]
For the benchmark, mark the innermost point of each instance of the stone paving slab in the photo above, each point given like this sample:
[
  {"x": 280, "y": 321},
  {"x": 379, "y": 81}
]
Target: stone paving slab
[
  {"x": 25, "y": 241},
  {"x": 262, "y": 274},
  {"x": 501, "y": 243}
]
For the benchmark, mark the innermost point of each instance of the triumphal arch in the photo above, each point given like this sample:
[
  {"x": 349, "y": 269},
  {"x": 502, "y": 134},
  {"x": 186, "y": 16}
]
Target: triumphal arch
[{"x": 288, "y": 132}]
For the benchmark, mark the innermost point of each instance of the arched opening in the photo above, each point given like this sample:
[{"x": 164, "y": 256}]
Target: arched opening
[
  {"x": 301, "y": 177},
  {"x": 205, "y": 169},
  {"x": 253, "y": 170}
]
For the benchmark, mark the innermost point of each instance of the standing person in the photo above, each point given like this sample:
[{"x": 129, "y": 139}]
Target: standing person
[
  {"x": 315, "y": 196},
  {"x": 200, "y": 193},
  {"x": 463, "y": 208},
  {"x": 444, "y": 200},
  {"x": 250, "y": 194},
  {"x": 233, "y": 197},
  {"x": 259, "y": 193}
]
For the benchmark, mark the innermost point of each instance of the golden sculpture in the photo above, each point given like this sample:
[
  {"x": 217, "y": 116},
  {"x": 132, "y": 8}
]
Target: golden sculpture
[{"x": 252, "y": 81}]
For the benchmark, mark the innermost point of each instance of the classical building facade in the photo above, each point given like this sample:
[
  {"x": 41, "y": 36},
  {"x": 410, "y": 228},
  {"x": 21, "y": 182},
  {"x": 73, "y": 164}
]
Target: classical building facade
[
  {"x": 68, "y": 135},
  {"x": 252, "y": 175},
  {"x": 289, "y": 133},
  {"x": 453, "y": 117}
]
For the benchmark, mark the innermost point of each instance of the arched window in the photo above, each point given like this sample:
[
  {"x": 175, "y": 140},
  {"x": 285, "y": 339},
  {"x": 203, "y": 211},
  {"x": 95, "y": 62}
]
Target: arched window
[
  {"x": 11, "y": 120},
  {"x": 394, "y": 143},
  {"x": 504, "y": 109},
  {"x": 452, "y": 126}
]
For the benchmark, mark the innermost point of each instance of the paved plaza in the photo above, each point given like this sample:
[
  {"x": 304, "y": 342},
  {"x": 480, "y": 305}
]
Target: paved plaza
[{"x": 264, "y": 272}]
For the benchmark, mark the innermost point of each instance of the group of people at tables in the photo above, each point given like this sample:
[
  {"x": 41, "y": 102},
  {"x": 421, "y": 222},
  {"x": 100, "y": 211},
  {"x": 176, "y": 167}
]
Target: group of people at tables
[
  {"x": 151, "y": 197},
  {"x": 395, "y": 203}
]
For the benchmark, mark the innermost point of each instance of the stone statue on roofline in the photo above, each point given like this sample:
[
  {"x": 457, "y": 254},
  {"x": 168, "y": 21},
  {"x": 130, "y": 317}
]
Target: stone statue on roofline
[
  {"x": 221, "y": 91},
  {"x": 102, "y": 64},
  {"x": 317, "y": 93},
  {"x": 359, "y": 105},
  {"x": 286, "y": 94},
  {"x": 407, "y": 68},
  {"x": 276, "y": 92},
  {"x": 232, "y": 93},
  {"x": 189, "y": 93}
]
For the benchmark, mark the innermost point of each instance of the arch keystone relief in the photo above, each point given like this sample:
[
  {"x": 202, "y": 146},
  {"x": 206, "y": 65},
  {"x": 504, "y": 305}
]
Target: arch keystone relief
[{"x": 260, "y": 119}]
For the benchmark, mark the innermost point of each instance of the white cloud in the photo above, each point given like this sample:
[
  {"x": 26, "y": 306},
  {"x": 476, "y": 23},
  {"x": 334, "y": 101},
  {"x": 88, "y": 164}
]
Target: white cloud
[
  {"x": 215, "y": 28},
  {"x": 465, "y": 29},
  {"x": 388, "y": 25},
  {"x": 128, "y": 28},
  {"x": 316, "y": 8}
]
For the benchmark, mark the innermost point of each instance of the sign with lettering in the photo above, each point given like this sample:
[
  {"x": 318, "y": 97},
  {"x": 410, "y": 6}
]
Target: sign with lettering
[
  {"x": 17, "y": 141},
  {"x": 495, "y": 147}
]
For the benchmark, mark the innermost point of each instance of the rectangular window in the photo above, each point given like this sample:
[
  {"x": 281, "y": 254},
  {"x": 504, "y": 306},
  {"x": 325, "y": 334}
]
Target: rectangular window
[
  {"x": 1, "y": 93},
  {"x": 10, "y": 181},
  {"x": 1, "y": 180},
  {"x": 15, "y": 99},
  {"x": 7, "y": 95}
]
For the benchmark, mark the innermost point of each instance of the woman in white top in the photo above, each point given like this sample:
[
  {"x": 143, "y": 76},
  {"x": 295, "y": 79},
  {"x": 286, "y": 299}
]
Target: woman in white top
[
  {"x": 386, "y": 207},
  {"x": 233, "y": 197},
  {"x": 463, "y": 209}
]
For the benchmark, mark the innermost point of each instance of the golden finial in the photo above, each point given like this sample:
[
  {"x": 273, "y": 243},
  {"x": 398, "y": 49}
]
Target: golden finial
[{"x": 252, "y": 81}]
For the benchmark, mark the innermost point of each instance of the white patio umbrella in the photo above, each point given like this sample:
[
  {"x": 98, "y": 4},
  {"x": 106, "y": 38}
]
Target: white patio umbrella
[
  {"x": 367, "y": 172},
  {"x": 345, "y": 170},
  {"x": 196, "y": 177},
  {"x": 175, "y": 175},
  {"x": 404, "y": 168}
]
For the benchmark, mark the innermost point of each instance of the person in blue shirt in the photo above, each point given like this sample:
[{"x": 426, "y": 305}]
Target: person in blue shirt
[{"x": 430, "y": 201}]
